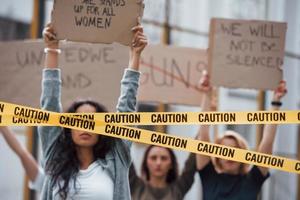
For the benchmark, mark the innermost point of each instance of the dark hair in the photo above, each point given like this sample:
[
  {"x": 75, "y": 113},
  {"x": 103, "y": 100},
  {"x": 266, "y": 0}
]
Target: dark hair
[
  {"x": 172, "y": 173},
  {"x": 63, "y": 164}
]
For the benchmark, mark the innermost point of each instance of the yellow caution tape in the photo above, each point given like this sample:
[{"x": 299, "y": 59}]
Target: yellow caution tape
[
  {"x": 164, "y": 118},
  {"x": 11, "y": 114}
]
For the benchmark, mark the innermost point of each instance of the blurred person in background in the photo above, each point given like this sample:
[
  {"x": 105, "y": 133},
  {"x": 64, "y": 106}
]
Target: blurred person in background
[
  {"x": 230, "y": 180},
  {"x": 160, "y": 179}
]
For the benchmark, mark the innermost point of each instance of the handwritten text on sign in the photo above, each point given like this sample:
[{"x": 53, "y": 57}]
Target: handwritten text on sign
[
  {"x": 171, "y": 74},
  {"x": 88, "y": 70},
  {"x": 103, "y": 21},
  {"x": 84, "y": 69},
  {"x": 246, "y": 54}
]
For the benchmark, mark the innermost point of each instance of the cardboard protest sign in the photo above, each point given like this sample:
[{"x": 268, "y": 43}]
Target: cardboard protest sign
[
  {"x": 88, "y": 71},
  {"x": 94, "y": 21},
  {"x": 246, "y": 54},
  {"x": 171, "y": 74}
]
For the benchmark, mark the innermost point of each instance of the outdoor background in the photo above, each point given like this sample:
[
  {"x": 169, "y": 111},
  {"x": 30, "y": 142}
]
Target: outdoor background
[{"x": 180, "y": 23}]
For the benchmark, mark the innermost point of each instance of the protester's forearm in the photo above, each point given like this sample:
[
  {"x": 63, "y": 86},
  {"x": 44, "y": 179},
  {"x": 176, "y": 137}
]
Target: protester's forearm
[
  {"x": 30, "y": 165},
  {"x": 134, "y": 61},
  {"x": 28, "y": 162},
  {"x": 269, "y": 133},
  {"x": 12, "y": 141},
  {"x": 51, "y": 60},
  {"x": 203, "y": 133}
]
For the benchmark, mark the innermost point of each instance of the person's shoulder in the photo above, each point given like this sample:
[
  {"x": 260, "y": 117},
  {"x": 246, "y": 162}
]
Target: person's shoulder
[
  {"x": 256, "y": 175},
  {"x": 209, "y": 168},
  {"x": 254, "y": 170}
]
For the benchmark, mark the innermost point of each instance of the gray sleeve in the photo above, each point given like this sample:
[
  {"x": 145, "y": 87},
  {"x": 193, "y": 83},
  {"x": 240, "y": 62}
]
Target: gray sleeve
[
  {"x": 51, "y": 101},
  {"x": 127, "y": 103},
  {"x": 185, "y": 181}
]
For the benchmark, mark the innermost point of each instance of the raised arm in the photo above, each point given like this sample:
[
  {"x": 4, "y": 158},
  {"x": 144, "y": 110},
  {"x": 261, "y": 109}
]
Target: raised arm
[
  {"x": 30, "y": 165},
  {"x": 129, "y": 87},
  {"x": 203, "y": 133},
  {"x": 130, "y": 80},
  {"x": 139, "y": 43},
  {"x": 51, "y": 89},
  {"x": 269, "y": 133}
]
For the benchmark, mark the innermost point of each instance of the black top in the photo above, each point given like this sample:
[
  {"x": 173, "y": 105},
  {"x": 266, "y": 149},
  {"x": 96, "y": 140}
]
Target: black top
[{"x": 231, "y": 187}]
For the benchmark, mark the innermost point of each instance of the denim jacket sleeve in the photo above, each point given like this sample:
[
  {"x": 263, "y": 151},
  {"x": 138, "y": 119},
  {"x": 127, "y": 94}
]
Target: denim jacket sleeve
[
  {"x": 51, "y": 101},
  {"x": 127, "y": 103}
]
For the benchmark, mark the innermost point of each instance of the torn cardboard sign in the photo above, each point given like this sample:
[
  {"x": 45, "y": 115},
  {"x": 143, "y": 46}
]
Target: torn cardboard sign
[
  {"x": 96, "y": 21},
  {"x": 246, "y": 54}
]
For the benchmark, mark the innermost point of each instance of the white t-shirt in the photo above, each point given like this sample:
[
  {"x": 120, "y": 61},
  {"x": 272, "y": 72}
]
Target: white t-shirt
[{"x": 92, "y": 183}]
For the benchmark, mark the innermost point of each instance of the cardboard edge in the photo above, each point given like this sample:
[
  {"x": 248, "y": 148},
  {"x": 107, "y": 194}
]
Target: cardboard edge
[{"x": 211, "y": 43}]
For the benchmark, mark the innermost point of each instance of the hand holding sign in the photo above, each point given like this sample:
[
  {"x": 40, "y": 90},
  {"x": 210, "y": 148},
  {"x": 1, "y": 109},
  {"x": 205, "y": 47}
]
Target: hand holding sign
[
  {"x": 139, "y": 41},
  {"x": 204, "y": 83},
  {"x": 280, "y": 91},
  {"x": 50, "y": 38},
  {"x": 138, "y": 44}
]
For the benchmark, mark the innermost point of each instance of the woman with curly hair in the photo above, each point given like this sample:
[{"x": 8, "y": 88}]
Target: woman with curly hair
[{"x": 80, "y": 164}]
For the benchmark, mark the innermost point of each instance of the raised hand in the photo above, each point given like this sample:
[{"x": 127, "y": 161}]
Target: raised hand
[
  {"x": 280, "y": 91},
  {"x": 204, "y": 82},
  {"x": 139, "y": 41},
  {"x": 50, "y": 37}
]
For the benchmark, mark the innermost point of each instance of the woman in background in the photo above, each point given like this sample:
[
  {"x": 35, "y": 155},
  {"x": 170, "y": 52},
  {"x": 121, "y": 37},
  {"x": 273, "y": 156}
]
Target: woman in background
[
  {"x": 160, "y": 178},
  {"x": 229, "y": 180}
]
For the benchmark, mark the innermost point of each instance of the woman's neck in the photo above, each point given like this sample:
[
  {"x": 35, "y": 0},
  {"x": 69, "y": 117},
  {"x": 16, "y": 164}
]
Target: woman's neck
[
  {"x": 85, "y": 156},
  {"x": 158, "y": 182}
]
